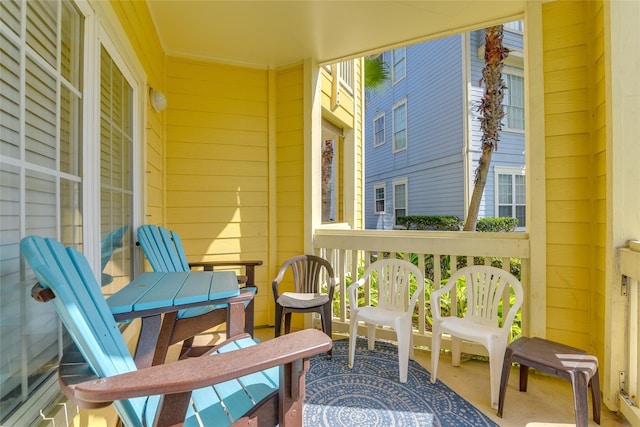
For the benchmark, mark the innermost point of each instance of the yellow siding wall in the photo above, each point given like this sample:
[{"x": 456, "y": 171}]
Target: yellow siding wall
[
  {"x": 598, "y": 131},
  {"x": 341, "y": 109},
  {"x": 136, "y": 21},
  {"x": 289, "y": 163},
  {"x": 217, "y": 164},
  {"x": 575, "y": 173}
]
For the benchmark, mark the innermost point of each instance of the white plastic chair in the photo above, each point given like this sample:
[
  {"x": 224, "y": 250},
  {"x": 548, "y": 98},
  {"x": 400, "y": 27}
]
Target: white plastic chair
[
  {"x": 486, "y": 287},
  {"x": 394, "y": 309}
]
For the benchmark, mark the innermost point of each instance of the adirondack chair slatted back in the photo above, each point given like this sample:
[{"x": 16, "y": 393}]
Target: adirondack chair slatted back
[
  {"x": 84, "y": 312},
  {"x": 162, "y": 248},
  {"x": 86, "y": 315}
]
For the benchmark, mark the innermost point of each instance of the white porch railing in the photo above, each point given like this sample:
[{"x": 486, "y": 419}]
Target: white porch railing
[
  {"x": 628, "y": 398},
  {"x": 349, "y": 250}
]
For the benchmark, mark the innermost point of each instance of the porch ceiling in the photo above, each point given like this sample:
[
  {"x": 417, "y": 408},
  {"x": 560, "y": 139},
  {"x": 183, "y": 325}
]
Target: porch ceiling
[{"x": 269, "y": 33}]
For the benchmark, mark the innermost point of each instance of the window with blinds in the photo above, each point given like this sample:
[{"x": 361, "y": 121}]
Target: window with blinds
[
  {"x": 43, "y": 146},
  {"x": 116, "y": 185},
  {"x": 511, "y": 194},
  {"x": 40, "y": 177},
  {"x": 399, "y": 199}
]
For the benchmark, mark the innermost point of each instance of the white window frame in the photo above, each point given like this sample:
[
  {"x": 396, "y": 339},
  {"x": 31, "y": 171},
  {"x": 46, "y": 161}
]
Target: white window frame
[
  {"x": 396, "y": 106},
  {"x": 377, "y": 187},
  {"x": 101, "y": 28},
  {"x": 395, "y": 77},
  {"x": 394, "y": 184},
  {"x": 511, "y": 171},
  {"x": 377, "y": 143},
  {"x": 509, "y": 71}
]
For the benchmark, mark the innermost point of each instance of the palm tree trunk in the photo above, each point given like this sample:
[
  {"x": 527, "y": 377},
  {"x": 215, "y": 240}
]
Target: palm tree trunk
[{"x": 491, "y": 116}]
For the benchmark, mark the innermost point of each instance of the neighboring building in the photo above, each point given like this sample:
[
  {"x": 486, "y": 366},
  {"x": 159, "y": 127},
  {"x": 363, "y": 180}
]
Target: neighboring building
[{"x": 422, "y": 138}]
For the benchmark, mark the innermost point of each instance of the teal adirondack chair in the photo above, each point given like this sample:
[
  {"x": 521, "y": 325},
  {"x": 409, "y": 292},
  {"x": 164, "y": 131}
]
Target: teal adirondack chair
[
  {"x": 238, "y": 383},
  {"x": 164, "y": 251}
]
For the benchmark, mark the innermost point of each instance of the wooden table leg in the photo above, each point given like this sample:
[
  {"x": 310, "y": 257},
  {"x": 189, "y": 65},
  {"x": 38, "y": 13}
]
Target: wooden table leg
[{"x": 147, "y": 340}]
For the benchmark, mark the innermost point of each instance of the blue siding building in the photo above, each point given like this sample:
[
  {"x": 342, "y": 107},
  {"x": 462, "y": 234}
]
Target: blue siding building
[{"x": 422, "y": 138}]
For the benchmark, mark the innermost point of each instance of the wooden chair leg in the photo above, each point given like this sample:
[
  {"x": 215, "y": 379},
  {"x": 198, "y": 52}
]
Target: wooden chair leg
[
  {"x": 287, "y": 322},
  {"x": 327, "y": 326},
  {"x": 278, "y": 324}
]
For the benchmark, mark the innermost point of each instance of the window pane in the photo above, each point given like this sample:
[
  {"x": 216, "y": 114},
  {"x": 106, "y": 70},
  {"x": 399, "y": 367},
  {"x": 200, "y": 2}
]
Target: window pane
[
  {"x": 400, "y": 126},
  {"x": 521, "y": 196},
  {"x": 116, "y": 187},
  {"x": 504, "y": 211},
  {"x": 504, "y": 189},
  {"x": 9, "y": 98},
  {"x": 10, "y": 15},
  {"x": 42, "y": 202},
  {"x": 521, "y": 215},
  {"x": 70, "y": 147},
  {"x": 41, "y": 29},
  {"x": 379, "y": 194},
  {"x": 71, "y": 31},
  {"x": 378, "y": 126},
  {"x": 400, "y": 196},
  {"x": 40, "y": 127},
  {"x": 399, "y": 64}
]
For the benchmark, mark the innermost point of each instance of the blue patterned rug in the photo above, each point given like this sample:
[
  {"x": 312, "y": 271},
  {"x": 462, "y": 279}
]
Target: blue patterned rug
[{"x": 371, "y": 395}]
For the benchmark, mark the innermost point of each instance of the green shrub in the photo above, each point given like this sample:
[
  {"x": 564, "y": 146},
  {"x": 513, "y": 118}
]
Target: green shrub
[
  {"x": 440, "y": 223},
  {"x": 493, "y": 224}
]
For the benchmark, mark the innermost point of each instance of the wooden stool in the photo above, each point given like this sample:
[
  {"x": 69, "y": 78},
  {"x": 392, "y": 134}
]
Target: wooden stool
[{"x": 573, "y": 364}]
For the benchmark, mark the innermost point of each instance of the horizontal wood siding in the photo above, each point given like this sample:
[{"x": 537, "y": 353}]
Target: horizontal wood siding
[
  {"x": 571, "y": 204},
  {"x": 290, "y": 163},
  {"x": 599, "y": 131},
  {"x": 217, "y": 163}
]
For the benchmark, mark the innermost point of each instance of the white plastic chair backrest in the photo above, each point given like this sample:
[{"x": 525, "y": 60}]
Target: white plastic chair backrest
[
  {"x": 86, "y": 316},
  {"x": 486, "y": 286},
  {"x": 394, "y": 279}
]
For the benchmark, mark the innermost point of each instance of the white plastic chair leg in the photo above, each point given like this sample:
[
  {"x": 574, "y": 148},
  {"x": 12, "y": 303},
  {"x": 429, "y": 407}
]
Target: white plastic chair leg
[
  {"x": 371, "y": 335},
  {"x": 455, "y": 351},
  {"x": 435, "y": 353},
  {"x": 353, "y": 331},
  {"x": 496, "y": 358},
  {"x": 403, "y": 355}
]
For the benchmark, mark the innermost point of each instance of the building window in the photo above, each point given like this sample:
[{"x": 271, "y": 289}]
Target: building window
[
  {"x": 399, "y": 199},
  {"x": 40, "y": 178},
  {"x": 379, "y": 197},
  {"x": 48, "y": 159},
  {"x": 513, "y": 101},
  {"x": 378, "y": 130},
  {"x": 511, "y": 194},
  {"x": 400, "y": 126},
  {"x": 517, "y": 26},
  {"x": 399, "y": 64}
]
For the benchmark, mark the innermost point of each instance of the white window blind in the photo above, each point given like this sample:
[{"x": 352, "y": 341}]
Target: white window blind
[
  {"x": 40, "y": 186},
  {"x": 116, "y": 185}
]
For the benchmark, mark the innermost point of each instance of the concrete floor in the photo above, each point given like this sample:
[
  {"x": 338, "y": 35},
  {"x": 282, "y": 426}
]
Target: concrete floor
[{"x": 547, "y": 402}]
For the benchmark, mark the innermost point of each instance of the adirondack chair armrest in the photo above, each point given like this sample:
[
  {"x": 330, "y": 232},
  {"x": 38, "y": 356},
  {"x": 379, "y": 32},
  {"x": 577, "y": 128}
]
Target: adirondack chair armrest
[
  {"x": 189, "y": 374},
  {"x": 249, "y": 266}
]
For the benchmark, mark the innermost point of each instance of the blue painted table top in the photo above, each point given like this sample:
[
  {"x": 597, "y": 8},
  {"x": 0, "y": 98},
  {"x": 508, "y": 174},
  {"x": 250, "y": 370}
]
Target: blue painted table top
[{"x": 151, "y": 291}]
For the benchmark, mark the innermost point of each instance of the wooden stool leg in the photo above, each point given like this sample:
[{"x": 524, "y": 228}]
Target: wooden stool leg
[
  {"x": 580, "y": 381},
  {"x": 524, "y": 377},
  {"x": 504, "y": 379}
]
